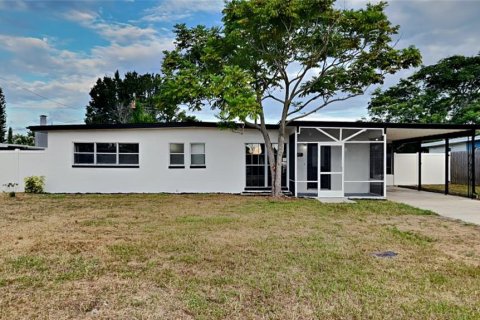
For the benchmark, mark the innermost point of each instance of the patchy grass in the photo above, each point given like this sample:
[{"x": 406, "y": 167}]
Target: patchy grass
[
  {"x": 453, "y": 189},
  {"x": 411, "y": 236},
  {"x": 221, "y": 256}
]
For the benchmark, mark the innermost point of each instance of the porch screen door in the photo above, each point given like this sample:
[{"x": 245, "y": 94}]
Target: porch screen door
[{"x": 330, "y": 165}]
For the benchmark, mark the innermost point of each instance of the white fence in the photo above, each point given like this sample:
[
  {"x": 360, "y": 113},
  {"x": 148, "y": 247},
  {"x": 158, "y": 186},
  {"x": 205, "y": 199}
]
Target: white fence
[
  {"x": 15, "y": 165},
  {"x": 406, "y": 169}
]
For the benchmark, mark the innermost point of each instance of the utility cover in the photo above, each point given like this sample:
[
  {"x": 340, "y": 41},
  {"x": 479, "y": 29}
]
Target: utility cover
[{"x": 385, "y": 254}]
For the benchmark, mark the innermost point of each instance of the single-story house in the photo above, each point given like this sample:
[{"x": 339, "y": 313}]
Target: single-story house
[
  {"x": 322, "y": 158},
  {"x": 455, "y": 145}
]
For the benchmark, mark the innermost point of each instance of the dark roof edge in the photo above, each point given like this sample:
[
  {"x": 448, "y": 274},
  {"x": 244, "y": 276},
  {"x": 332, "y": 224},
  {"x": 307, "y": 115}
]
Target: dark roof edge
[
  {"x": 196, "y": 124},
  {"x": 343, "y": 124},
  {"x": 385, "y": 125}
]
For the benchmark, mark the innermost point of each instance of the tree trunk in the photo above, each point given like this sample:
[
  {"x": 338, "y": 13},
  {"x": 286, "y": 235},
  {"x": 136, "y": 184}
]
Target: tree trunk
[
  {"x": 277, "y": 181},
  {"x": 270, "y": 153}
]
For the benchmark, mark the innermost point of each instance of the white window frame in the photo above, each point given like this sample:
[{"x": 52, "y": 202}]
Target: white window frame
[
  {"x": 92, "y": 153},
  {"x": 127, "y": 153},
  {"x": 170, "y": 165},
  {"x": 106, "y": 153},
  {"x": 95, "y": 153},
  {"x": 204, "y": 165}
]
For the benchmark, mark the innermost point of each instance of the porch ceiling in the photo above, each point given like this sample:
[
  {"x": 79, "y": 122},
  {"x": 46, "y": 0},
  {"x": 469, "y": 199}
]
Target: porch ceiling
[{"x": 399, "y": 134}]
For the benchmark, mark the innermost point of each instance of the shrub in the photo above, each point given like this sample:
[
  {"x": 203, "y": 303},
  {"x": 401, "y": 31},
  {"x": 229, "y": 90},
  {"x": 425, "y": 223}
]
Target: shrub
[
  {"x": 10, "y": 187},
  {"x": 34, "y": 184}
]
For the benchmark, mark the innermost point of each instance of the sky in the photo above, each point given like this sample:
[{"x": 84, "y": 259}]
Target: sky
[{"x": 52, "y": 52}]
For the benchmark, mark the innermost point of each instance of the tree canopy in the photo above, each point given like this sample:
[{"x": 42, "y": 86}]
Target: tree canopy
[
  {"x": 446, "y": 92},
  {"x": 135, "y": 98},
  {"x": 296, "y": 55},
  {"x": 3, "y": 117},
  {"x": 27, "y": 139}
]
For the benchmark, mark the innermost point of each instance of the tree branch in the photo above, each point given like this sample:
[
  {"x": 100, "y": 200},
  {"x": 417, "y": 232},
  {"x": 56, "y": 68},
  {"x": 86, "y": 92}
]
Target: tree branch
[
  {"x": 270, "y": 96},
  {"x": 323, "y": 106}
]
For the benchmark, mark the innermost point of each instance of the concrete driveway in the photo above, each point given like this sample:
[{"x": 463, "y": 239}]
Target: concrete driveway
[{"x": 453, "y": 207}]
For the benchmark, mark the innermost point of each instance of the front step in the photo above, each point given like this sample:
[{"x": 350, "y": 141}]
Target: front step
[{"x": 263, "y": 193}]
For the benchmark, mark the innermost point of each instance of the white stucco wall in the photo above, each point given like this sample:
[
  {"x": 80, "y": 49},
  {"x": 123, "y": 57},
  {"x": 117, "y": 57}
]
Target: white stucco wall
[{"x": 224, "y": 172}]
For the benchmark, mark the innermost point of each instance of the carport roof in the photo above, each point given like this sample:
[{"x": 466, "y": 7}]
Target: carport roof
[{"x": 401, "y": 132}]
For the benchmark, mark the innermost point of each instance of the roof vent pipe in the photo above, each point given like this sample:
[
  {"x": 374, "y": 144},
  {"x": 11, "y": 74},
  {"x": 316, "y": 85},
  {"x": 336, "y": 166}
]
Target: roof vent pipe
[
  {"x": 41, "y": 137},
  {"x": 43, "y": 120}
]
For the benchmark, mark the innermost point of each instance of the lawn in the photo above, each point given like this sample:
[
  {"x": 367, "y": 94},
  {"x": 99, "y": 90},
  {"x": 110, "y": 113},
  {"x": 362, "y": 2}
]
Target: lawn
[
  {"x": 234, "y": 257},
  {"x": 454, "y": 189}
]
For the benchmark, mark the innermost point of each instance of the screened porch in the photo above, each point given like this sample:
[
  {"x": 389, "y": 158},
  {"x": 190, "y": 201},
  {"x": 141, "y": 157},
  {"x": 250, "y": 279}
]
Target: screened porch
[{"x": 337, "y": 162}]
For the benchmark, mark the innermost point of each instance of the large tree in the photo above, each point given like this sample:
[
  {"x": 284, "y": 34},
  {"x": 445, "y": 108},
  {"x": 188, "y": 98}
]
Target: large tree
[
  {"x": 131, "y": 99},
  {"x": 3, "y": 117},
  {"x": 446, "y": 92},
  {"x": 10, "y": 135},
  {"x": 296, "y": 55}
]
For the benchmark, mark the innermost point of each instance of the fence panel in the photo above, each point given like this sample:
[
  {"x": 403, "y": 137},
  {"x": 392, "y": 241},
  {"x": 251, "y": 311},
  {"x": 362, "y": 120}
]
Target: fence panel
[
  {"x": 15, "y": 165},
  {"x": 459, "y": 167}
]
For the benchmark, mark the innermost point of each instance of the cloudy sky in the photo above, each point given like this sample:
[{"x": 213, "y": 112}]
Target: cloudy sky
[{"x": 51, "y": 53}]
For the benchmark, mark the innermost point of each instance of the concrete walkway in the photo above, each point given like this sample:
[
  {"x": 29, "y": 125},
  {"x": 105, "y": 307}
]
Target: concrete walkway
[{"x": 453, "y": 207}]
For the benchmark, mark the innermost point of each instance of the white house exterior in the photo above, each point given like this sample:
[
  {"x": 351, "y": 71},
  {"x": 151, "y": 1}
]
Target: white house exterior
[
  {"x": 223, "y": 171},
  {"x": 455, "y": 145},
  {"x": 322, "y": 159}
]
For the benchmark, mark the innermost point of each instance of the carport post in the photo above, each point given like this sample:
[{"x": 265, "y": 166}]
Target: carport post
[
  {"x": 473, "y": 164},
  {"x": 447, "y": 164},
  {"x": 420, "y": 165}
]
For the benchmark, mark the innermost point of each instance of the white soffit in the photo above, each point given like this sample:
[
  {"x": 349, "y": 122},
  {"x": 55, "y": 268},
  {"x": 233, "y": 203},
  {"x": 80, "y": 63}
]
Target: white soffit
[{"x": 394, "y": 134}]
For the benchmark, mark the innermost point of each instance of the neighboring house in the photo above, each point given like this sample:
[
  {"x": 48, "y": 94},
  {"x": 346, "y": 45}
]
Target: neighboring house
[
  {"x": 10, "y": 146},
  {"x": 457, "y": 144},
  {"x": 322, "y": 159}
]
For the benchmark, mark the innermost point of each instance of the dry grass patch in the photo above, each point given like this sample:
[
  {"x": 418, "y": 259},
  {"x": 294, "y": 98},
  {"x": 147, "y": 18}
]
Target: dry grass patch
[{"x": 221, "y": 256}]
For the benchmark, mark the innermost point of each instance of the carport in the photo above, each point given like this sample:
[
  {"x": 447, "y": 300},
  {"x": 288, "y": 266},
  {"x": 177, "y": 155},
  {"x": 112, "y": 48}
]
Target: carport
[{"x": 411, "y": 137}]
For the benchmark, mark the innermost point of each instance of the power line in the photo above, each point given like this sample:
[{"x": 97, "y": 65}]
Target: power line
[{"x": 38, "y": 94}]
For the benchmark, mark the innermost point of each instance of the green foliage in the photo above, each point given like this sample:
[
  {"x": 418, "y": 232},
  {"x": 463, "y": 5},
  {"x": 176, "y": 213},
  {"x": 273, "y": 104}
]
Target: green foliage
[
  {"x": 10, "y": 135},
  {"x": 3, "y": 117},
  {"x": 133, "y": 99},
  {"x": 18, "y": 138},
  {"x": 24, "y": 139},
  {"x": 236, "y": 67},
  {"x": 296, "y": 56},
  {"x": 446, "y": 92},
  {"x": 34, "y": 184}
]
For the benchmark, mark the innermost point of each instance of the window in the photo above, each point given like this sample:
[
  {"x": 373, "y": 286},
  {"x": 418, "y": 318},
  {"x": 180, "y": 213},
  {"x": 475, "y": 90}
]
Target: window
[
  {"x": 197, "y": 155},
  {"x": 177, "y": 155},
  {"x": 255, "y": 164},
  {"x": 106, "y": 154},
  {"x": 84, "y": 153},
  {"x": 257, "y": 169},
  {"x": 128, "y": 153}
]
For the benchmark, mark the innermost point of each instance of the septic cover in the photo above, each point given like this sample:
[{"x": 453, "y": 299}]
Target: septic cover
[{"x": 385, "y": 254}]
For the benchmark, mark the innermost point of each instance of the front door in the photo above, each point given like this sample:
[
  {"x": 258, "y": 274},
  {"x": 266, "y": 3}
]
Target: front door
[
  {"x": 330, "y": 170},
  {"x": 312, "y": 166}
]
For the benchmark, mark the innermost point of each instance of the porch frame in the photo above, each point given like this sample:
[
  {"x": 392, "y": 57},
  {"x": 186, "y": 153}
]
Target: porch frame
[{"x": 341, "y": 142}]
